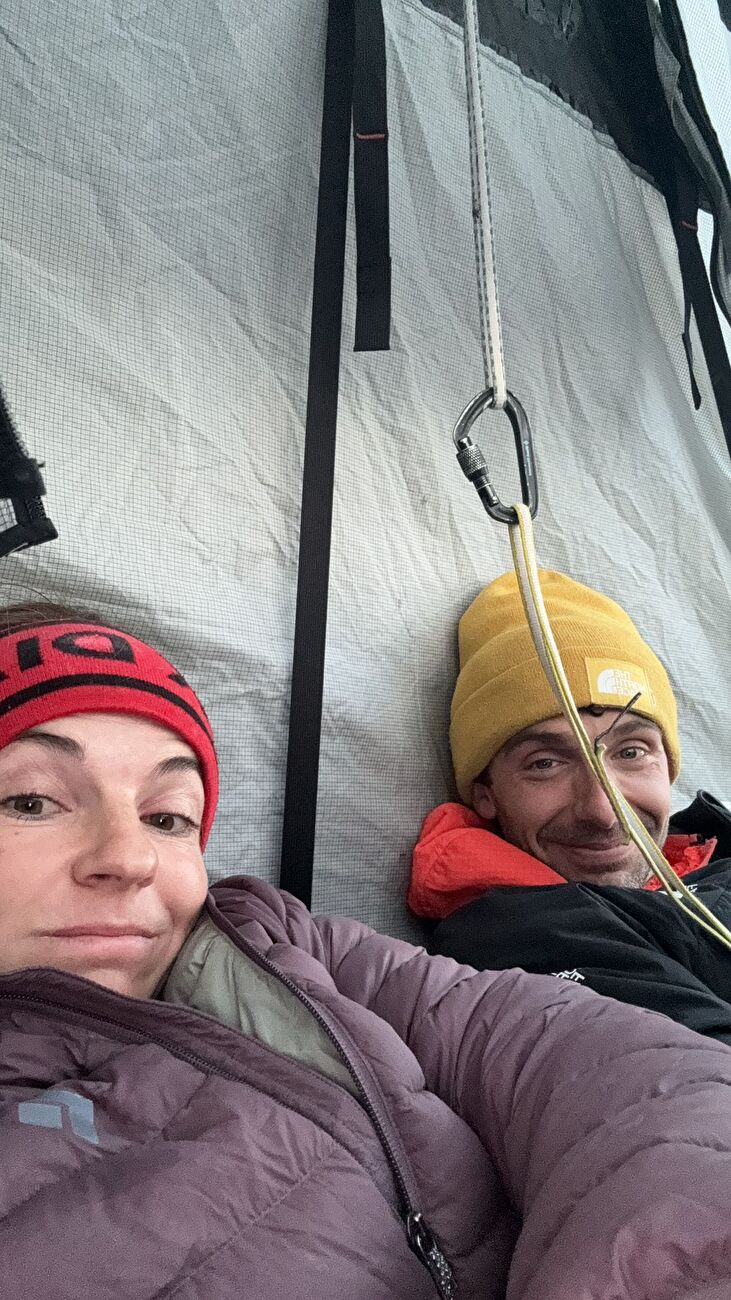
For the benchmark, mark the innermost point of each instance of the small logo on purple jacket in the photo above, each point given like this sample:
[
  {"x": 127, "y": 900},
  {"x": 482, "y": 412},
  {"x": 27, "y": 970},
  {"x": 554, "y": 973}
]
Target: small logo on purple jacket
[{"x": 49, "y": 1109}]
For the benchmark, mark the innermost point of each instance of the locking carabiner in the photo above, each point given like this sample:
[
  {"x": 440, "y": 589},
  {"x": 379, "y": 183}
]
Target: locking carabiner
[{"x": 474, "y": 465}]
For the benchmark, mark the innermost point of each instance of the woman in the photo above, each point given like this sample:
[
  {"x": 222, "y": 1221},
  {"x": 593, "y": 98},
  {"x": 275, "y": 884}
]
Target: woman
[{"x": 215, "y": 1095}]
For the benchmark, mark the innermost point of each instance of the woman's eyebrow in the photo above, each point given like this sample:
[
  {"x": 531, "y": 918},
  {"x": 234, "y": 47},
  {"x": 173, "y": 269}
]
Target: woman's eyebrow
[
  {"x": 65, "y": 745},
  {"x": 178, "y": 763},
  {"x": 60, "y": 744}
]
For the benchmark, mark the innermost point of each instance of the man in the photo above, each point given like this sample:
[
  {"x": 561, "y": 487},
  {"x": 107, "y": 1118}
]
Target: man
[{"x": 538, "y": 819}]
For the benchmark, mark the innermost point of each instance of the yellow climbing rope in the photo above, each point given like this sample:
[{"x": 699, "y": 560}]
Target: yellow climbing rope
[
  {"x": 522, "y": 541},
  {"x": 519, "y": 518}
]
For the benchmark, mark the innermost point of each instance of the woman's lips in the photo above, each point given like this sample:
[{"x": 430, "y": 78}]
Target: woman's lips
[
  {"x": 102, "y": 931},
  {"x": 105, "y": 943}
]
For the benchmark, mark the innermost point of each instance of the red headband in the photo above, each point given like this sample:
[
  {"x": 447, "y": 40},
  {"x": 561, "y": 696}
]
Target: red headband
[{"x": 57, "y": 669}]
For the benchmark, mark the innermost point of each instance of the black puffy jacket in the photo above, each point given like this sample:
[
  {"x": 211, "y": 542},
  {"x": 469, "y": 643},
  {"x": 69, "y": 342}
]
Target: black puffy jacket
[{"x": 630, "y": 944}]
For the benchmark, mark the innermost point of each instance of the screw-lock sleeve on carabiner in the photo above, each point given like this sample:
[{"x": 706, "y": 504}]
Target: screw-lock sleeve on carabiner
[{"x": 474, "y": 465}]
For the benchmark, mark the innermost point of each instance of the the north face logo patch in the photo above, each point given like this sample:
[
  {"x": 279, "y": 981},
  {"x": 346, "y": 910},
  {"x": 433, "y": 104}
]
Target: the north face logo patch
[
  {"x": 613, "y": 681},
  {"x": 51, "y": 1106}
]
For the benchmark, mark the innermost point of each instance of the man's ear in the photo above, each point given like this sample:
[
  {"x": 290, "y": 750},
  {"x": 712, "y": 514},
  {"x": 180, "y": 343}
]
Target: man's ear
[{"x": 483, "y": 802}]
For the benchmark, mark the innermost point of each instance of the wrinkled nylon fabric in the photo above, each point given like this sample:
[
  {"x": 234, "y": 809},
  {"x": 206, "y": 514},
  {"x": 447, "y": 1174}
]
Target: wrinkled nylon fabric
[{"x": 157, "y": 219}]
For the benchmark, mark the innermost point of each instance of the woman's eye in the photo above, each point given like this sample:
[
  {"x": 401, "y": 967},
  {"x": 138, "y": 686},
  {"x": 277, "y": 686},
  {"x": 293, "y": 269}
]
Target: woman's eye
[
  {"x": 172, "y": 823},
  {"x": 31, "y": 807}
]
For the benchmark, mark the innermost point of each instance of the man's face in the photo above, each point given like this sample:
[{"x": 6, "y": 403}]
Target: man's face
[{"x": 546, "y": 801}]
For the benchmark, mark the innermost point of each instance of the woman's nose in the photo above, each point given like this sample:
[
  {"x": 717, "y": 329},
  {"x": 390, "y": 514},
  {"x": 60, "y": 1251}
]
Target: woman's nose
[{"x": 118, "y": 848}]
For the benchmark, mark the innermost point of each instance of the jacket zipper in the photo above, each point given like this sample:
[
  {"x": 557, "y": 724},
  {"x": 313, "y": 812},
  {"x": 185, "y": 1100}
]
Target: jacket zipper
[{"x": 421, "y": 1239}]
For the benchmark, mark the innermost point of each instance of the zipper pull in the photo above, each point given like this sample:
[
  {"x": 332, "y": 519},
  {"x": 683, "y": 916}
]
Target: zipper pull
[{"x": 425, "y": 1245}]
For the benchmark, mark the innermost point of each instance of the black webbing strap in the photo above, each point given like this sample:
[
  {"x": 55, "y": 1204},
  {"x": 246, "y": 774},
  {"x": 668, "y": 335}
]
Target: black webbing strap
[
  {"x": 699, "y": 298},
  {"x": 372, "y": 318},
  {"x": 370, "y": 180}
]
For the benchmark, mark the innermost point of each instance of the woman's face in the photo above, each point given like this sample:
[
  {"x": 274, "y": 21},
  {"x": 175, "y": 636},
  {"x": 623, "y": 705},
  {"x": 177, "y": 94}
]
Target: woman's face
[{"x": 101, "y": 870}]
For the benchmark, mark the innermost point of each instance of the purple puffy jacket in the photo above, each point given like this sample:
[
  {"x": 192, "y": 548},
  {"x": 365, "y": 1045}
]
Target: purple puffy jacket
[{"x": 560, "y": 1146}]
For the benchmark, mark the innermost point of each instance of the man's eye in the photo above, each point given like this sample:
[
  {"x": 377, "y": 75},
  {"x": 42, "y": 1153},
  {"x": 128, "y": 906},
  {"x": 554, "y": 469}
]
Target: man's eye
[
  {"x": 31, "y": 807},
  {"x": 172, "y": 823},
  {"x": 632, "y": 753},
  {"x": 542, "y": 764}
]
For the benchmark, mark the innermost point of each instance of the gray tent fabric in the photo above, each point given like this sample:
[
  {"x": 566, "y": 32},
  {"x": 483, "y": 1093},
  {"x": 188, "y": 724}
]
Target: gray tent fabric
[{"x": 157, "y": 216}]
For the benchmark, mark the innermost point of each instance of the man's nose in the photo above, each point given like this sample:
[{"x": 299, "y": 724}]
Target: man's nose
[
  {"x": 590, "y": 802},
  {"x": 119, "y": 849}
]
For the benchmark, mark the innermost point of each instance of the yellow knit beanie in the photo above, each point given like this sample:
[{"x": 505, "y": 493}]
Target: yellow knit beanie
[{"x": 501, "y": 688}]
